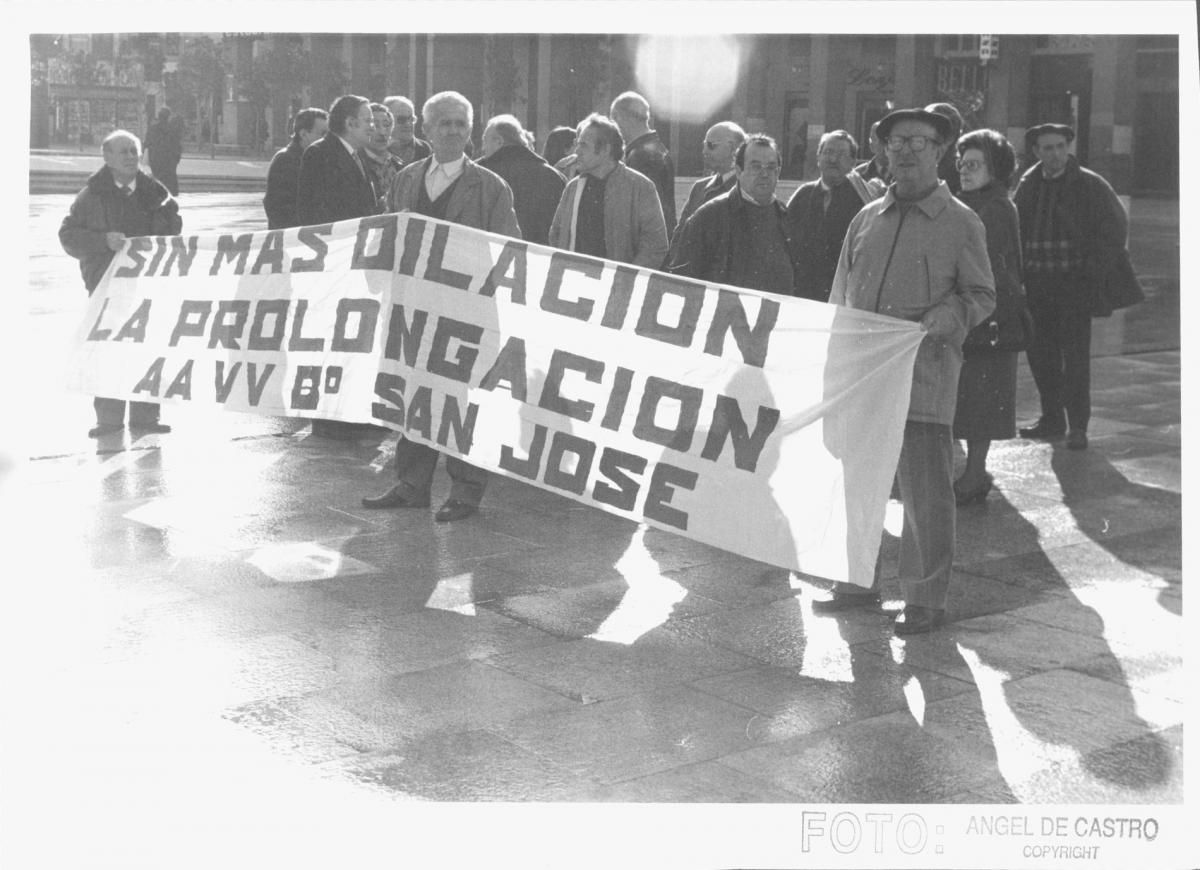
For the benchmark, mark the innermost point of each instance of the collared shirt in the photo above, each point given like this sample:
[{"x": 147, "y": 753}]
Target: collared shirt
[
  {"x": 126, "y": 189},
  {"x": 442, "y": 175}
]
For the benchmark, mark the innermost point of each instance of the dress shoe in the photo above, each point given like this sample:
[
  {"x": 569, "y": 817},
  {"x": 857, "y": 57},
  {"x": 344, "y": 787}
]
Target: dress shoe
[
  {"x": 104, "y": 429},
  {"x": 1045, "y": 429},
  {"x": 844, "y": 601},
  {"x": 150, "y": 428},
  {"x": 397, "y": 496},
  {"x": 453, "y": 510},
  {"x": 976, "y": 494},
  {"x": 915, "y": 619},
  {"x": 1077, "y": 440}
]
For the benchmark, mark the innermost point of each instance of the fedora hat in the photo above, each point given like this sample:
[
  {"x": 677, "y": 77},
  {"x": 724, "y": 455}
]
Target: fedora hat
[{"x": 943, "y": 125}]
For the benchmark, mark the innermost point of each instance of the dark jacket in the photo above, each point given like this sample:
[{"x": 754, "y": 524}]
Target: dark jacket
[
  {"x": 818, "y": 234},
  {"x": 283, "y": 177},
  {"x": 1005, "y": 328},
  {"x": 164, "y": 145},
  {"x": 419, "y": 149},
  {"x": 648, "y": 155},
  {"x": 715, "y": 240},
  {"x": 480, "y": 198},
  {"x": 707, "y": 188},
  {"x": 332, "y": 186},
  {"x": 101, "y": 208},
  {"x": 1095, "y": 221},
  {"x": 536, "y": 188}
]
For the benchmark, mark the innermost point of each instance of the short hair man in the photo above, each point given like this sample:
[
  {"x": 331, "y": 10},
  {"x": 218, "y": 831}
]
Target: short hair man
[
  {"x": 741, "y": 237},
  {"x": 283, "y": 176},
  {"x": 333, "y": 183},
  {"x": 919, "y": 254},
  {"x": 1074, "y": 233},
  {"x": 382, "y": 166},
  {"x": 609, "y": 210},
  {"x": 404, "y": 142},
  {"x": 717, "y": 150},
  {"x": 645, "y": 151},
  {"x": 536, "y": 185},
  {"x": 820, "y": 211},
  {"x": 334, "y": 186},
  {"x": 164, "y": 149},
  {"x": 118, "y": 201},
  {"x": 449, "y": 186}
]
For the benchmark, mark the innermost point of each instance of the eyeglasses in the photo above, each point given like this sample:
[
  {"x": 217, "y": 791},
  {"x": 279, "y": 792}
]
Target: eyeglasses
[
  {"x": 969, "y": 165},
  {"x": 405, "y": 119},
  {"x": 915, "y": 143},
  {"x": 761, "y": 168},
  {"x": 710, "y": 146}
]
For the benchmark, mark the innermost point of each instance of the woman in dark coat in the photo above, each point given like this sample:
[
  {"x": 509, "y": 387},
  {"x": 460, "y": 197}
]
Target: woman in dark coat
[{"x": 987, "y": 386}]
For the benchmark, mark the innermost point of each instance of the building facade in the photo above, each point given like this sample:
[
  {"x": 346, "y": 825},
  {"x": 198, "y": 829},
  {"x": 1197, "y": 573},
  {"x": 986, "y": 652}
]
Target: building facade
[{"x": 1120, "y": 92}]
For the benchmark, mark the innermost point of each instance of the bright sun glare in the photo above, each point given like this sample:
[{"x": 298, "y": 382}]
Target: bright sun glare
[{"x": 707, "y": 64}]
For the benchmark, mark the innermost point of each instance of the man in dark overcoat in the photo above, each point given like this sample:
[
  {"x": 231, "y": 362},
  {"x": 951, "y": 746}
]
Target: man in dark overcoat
[{"x": 119, "y": 201}]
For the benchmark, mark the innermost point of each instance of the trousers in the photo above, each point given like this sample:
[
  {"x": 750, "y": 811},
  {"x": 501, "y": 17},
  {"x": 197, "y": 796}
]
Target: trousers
[
  {"x": 416, "y": 462},
  {"x": 1060, "y": 352},
  {"x": 925, "y": 474},
  {"x": 111, "y": 412}
]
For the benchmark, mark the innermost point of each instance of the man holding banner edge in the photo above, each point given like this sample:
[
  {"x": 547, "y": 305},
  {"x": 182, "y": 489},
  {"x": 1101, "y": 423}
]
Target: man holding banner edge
[
  {"x": 919, "y": 254},
  {"x": 447, "y": 185},
  {"x": 119, "y": 201}
]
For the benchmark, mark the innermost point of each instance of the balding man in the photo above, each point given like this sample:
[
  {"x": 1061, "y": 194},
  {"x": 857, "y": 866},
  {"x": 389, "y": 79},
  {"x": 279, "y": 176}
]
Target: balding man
[
  {"x": 404, "y": 143},
  {"x": 119, "y": 201},
  {"x": 720, "y": 143},
  {"x": 536, "y": 185},
  {"x": 447, "y": 186},
  {"x": 644, "y": 150}
]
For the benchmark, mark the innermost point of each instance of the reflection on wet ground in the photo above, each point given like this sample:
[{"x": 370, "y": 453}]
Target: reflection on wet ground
[{"x": 225, "y": 608}]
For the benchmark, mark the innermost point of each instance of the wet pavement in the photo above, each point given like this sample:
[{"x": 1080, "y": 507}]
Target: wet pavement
[{"x": 233, "y": 634}]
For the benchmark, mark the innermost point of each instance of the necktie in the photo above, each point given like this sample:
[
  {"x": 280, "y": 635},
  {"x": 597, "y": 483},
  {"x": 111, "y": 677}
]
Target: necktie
[{"x": 126, "y": 190}]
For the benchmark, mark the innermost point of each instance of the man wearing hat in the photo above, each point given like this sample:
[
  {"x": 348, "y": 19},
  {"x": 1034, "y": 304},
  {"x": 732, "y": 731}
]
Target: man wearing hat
[
  {"x": 921, "y": 255},
  {"x": 1074, "y": 233}
]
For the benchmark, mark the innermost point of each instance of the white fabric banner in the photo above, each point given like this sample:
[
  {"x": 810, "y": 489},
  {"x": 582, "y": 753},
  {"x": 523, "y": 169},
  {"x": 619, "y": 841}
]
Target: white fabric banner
[{"x": 764, "y": 425}]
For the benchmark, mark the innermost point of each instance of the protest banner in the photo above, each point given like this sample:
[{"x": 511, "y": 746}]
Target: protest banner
[{"x": 763, "y": 425}]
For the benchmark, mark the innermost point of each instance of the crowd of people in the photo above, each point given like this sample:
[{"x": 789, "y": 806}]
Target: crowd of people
[{"x": 930, "y": 229}]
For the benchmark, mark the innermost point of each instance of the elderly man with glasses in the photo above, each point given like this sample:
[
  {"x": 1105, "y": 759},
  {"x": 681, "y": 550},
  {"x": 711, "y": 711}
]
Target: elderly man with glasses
[
  {"x": 404, "y": 142},
  {"x": 919, "y": 254},
  {"x": 720, "y": 143}
]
